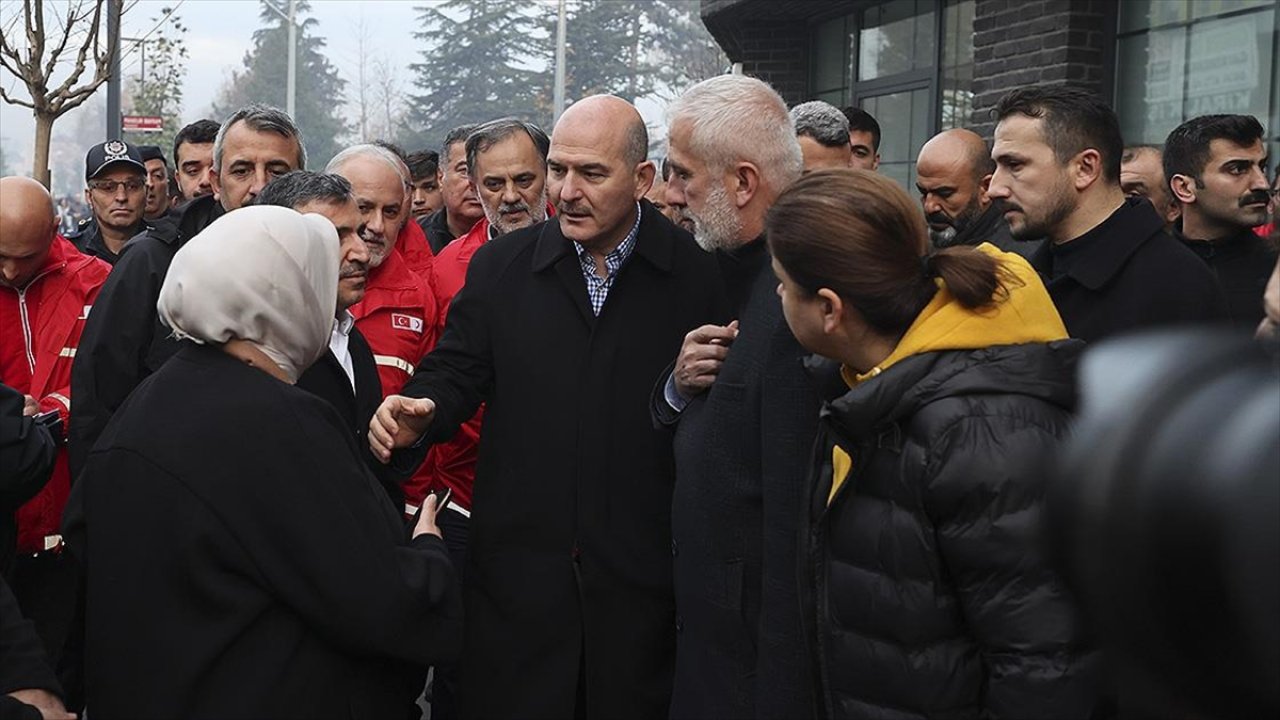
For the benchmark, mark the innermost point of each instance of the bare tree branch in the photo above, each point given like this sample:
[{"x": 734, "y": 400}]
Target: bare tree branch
[
  {"x": 13, "y": 100},
  {"x": 63, "y": 98},
  {"x": 62, "y": 44}
]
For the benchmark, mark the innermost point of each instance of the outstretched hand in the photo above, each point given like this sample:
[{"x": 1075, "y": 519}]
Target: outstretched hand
[{"x": 398, "y": 423}]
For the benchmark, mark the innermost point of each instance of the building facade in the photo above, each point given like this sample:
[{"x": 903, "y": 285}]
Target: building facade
[{"x": 922, "y": 66}]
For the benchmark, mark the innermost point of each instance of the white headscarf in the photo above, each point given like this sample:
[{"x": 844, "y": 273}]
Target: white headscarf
[{"x": 266, "y": 275}]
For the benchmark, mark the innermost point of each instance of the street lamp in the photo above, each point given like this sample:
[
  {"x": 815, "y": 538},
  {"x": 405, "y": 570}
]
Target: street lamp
[{"x": 291, "y": 84}]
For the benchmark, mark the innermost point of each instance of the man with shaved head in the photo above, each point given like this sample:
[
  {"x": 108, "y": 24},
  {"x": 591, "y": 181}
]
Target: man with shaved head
[
  {"x": 560, "y": 329},
  {"x": 953, "y": 171},
  {"x": 47, "y": 288}
]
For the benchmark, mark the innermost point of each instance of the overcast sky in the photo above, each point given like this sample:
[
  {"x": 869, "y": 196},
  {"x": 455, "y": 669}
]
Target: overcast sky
[{"x": 219, "y": 34}]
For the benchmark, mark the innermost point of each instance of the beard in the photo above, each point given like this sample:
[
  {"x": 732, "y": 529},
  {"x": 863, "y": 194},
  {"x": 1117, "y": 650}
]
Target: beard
[
  {"x": 537, "y": 213},
  {"x": 1061, "y": 202},
  {"x": 946, "y": 237},
  {"x": 718, "y": 225}
]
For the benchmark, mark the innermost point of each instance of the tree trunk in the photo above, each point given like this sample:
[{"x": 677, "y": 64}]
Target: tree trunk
[{"x": 44, "y": 131}]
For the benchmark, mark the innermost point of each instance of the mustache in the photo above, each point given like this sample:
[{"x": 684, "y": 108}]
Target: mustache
[
  {"x": 937, "y": 218},
  {"x": 1255, "y": 197},
  {"x": 352, "y": 269},
  {"x": 571, "y": 209},
  {"x": 514, "y": 207}
]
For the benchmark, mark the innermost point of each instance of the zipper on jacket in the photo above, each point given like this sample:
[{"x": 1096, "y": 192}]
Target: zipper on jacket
[
  {"x": 26, "y": 318},
  {"x": 26, "y": 330}
]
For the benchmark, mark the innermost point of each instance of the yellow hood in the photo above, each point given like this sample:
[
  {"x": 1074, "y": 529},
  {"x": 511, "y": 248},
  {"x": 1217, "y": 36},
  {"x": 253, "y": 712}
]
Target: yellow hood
[{"x": 1026, "y": 316}]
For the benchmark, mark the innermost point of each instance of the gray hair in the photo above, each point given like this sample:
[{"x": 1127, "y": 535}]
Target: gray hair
[
  {"x": 260, "y": 118},
  {"x": 735, "y": 118},
  {"x": 456, "y": 135},
  {"x": 370, "y": 150},
  {"x": 300, "y": 187},
  {"x": 821, "y": 121},
  {"x": 495, "y": 131}
]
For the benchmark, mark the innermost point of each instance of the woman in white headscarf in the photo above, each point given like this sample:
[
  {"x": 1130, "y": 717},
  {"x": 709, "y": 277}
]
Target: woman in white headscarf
[{"x": 240, "y": 560}]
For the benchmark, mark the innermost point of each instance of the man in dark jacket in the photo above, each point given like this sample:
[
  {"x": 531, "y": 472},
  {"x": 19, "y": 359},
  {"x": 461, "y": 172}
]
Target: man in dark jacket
[
  {"x": 744, "y": 414},
  {"x": 1216, "y": 167},
  {"x": 561, "y": 328},
  {"x": 193, "y": 159},
  {"x": 123, "y": 339},
  {"x": 461, "y": 207},
  {"x": 953, "y": 172},
  {"x": 1109, "y": 265},
  {"x": 1142, "y": 175},
  {"x": 346, "y": 375},
  {"x": 116, "y": 180},
  {"x": 158, "y": 203}
]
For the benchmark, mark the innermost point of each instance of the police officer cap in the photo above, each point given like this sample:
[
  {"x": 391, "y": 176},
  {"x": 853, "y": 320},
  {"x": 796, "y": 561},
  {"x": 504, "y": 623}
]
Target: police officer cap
[{"x": 102, "y": 155}]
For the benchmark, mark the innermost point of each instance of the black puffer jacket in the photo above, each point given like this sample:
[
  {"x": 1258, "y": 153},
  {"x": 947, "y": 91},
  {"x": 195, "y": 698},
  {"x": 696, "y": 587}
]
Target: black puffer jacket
[{"x": 929, "y": 594}]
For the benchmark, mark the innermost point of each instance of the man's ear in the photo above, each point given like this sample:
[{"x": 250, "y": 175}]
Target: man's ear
[
  {"x": 984, "y": 185},
  {"x": 1086, "y": 168},
  {"x": 645, "y": 173},
  {"x": 744, "y": 184},
  {"x": 1183, "y": 188},
  {"x": 215, "y": 182}
]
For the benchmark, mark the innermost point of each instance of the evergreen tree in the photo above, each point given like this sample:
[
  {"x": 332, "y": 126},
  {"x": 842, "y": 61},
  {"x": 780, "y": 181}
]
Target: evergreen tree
[
  {"x": 634, "y": 48},
  {"x": 160, "y": 90},
  {"x": 607, "y": 49},
  {"x": 481, "y": 59},
  {"x": 265, "y": 80}
]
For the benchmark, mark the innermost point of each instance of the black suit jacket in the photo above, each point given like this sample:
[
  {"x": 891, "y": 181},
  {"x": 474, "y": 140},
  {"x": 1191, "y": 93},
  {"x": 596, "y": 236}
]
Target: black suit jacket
[
  {"x": 570, "y": 544},
  {"x": 1131, "y": 275},
  {"x": 326, "y": 379}
]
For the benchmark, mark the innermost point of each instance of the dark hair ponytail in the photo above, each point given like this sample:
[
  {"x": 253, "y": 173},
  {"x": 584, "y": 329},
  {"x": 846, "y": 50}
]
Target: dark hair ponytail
[
  {"x": 859, "y": 234},
  {"x": 974, "y": 278}
]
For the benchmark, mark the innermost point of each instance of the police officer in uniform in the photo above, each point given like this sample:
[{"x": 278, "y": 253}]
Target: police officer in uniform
[{"x": 116, "y": 190}]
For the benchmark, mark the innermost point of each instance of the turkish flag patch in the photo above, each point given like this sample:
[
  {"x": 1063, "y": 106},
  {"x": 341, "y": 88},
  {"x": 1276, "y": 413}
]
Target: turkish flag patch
[{"x": 400, "y": 321}]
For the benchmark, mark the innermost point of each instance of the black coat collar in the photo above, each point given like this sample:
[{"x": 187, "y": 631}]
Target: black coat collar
[
  {"x": 1111, "y": 244},
  {"x": 652, "y": 243}
]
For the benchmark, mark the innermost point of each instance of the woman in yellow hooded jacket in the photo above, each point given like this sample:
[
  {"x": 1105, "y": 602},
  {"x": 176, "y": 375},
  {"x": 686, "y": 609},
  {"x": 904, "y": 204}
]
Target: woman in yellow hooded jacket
[{"x": 927, "y": 594}]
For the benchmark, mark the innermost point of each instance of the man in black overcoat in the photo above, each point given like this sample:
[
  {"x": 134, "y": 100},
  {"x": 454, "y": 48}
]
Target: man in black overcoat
[
  {"x": 1109, "y": 265},
  {"x": 561, "y": 328},
  {"x": 745, "y": 414},
  {"x": 1217, "y": 172},
  {"x": 346, "y": 375},
  {"x": 124, "y": 340}
]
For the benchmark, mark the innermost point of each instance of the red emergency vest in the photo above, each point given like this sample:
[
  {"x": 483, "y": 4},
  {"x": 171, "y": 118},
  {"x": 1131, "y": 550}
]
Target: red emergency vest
[
  {"x": 40, "y": 328},
  {"x": 397, "y": 316}
]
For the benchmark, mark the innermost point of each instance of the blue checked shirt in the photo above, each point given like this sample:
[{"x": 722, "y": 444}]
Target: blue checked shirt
[{"x": 598, "y": 287}]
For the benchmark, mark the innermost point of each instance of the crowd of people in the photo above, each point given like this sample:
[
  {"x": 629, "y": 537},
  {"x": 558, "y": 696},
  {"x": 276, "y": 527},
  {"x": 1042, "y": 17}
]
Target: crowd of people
[{"x": 746, "y": 432}]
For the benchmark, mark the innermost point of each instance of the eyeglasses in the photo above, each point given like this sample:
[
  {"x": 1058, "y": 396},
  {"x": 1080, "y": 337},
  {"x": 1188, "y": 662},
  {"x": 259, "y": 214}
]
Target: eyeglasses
[{"x": 110, "y": 186}]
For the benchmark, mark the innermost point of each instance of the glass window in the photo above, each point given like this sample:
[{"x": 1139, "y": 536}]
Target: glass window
[
  {"x": 1219, "y": 65},
  {"x": 904, "y": 124},
  {"x": 895, "y": 38},
  {"x": 956, "y": 102},
  {"x": 1144, "y": 14},
  {"x": 829, "y": 68}
]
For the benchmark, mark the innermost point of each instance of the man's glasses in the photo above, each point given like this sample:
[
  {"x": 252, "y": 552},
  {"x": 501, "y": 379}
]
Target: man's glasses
[{"x": 110, "y": 186}]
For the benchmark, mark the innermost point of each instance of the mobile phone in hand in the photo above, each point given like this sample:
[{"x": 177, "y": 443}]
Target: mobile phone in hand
[{"x": 442, "y": 498}]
